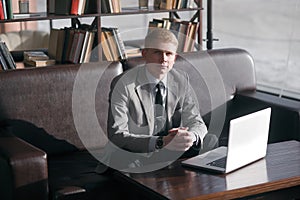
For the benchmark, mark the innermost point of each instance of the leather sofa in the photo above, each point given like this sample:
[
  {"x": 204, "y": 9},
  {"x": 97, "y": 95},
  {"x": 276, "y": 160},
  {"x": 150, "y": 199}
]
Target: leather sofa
[{"x": 51, "y": 116}]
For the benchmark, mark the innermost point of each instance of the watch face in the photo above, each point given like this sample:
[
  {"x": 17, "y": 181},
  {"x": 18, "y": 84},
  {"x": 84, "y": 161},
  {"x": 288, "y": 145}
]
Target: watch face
[{"x": 159, "y": 143}]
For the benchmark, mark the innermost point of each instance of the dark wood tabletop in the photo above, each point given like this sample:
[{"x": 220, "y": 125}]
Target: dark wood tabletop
[{"x": 278, "y": 173}]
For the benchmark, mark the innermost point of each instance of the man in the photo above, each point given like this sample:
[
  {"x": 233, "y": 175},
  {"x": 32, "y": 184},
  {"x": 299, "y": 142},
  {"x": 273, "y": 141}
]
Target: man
[{"x": 132, "y": 123}]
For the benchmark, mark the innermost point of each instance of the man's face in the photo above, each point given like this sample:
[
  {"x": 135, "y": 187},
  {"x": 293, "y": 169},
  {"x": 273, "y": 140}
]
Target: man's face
[{"x": 159, "y": 62}]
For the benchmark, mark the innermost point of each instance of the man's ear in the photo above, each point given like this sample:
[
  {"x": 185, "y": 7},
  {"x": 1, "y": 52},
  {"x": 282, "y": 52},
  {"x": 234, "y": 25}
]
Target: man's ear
[
  {"x": 176, "y": 55},
  {"x": 144, "y": 51}
]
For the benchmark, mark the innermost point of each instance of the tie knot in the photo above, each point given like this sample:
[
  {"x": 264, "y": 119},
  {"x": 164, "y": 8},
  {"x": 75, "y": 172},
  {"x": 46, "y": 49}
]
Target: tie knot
[{"x": 160, "y": 85}]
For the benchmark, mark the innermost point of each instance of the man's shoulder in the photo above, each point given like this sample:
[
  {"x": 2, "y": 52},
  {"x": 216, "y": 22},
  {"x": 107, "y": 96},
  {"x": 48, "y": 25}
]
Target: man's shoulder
[
  {"x": 178, "y": 74},
  {"x": 128, "y": 76},
  {"x": 131, "y": 72}
]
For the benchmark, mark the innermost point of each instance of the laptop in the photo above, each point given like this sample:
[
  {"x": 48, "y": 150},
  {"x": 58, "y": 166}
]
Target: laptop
[{"x": 247, "y": 143}]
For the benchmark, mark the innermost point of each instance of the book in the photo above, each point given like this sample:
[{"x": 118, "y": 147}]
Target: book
[
  {"x": 154, "y": 24},
  {"x": 81, "y": 7},
  {"x": 52, "y": 47},
  {"x": 79, "y": 46},
  {"x": 40, "y": 63},
  {"x": 9, "y": 9},
  {"x": 27, "y": 15},
  {"x": 76, "y": 47},
  {"x": 105, "y": 6},
  {"x": 1, "y": 11},
  {"x": 35, "y": 55},
  {"x": 105, "y": 46},
  {"x": 4, "y": 5},
  {"x": 182, "y": 35},
  {"x": 56, "y": 44},
  {"x": 3, "y": 63},
  {"x": 89, "y": 47},
  {"x": 69, "y": 33},
  {"x": 184, "y": 4},
  {"x": 166, "y": 4},
  {"x": 51, "y": 7},
  {"x": 116, "y": 6},
  {"x": 159, "y": 23},
  {"x": 60, "y": 45},
  {"x": 112, "y": 44},
  {"x": 115, "y": 43},
  {"x": 90, "y": 7},
  {"x": 175, "y": 4},
  {"x": 74, "y": 7},
  {"x": 133, "y": 51},
  {"x": 110, "y": 6},
  {"x": 7, "y": 55},
  {"x": 37, "y": 59},
  {"x": 84, "y": 46},
  {"x": 62, "y": 7},
  {"x": 192, "y": 36},
  {"x": 120, "y": 43},
  {"x": 166, "y": 23},
  {"x": 156, "y": 4}
]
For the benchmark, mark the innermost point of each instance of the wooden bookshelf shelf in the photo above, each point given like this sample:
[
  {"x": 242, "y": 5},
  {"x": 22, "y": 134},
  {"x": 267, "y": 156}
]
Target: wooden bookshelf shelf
[
  {"x": 151, "y": 10},
  {"x": 98, "y": 16}
]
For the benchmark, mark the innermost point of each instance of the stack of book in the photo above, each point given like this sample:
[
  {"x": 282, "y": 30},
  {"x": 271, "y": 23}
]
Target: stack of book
[
  {"x": 185, "y": 31},
  {"x": 37, "y": 59},
  {"x": 112, "y": 44},
  {"x": 133, "y": 51},
  {"x": 71, "y": 45},
  {"x": 6, "y": 9},
  {"x": 6, "y": 60}
]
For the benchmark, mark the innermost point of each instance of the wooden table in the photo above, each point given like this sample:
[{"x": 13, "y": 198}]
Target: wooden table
[{"x": 275, "y": 177}]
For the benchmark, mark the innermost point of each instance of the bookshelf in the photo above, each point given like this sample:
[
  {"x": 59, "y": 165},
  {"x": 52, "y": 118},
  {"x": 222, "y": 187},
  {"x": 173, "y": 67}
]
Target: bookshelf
[{"x": 97, "y": 15}]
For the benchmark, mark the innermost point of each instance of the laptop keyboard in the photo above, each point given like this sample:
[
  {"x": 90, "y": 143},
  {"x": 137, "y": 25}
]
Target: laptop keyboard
[{"x": 218, "y": 163}]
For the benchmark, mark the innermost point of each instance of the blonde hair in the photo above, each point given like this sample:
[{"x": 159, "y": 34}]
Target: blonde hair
[{"x": 160, "y": 38}]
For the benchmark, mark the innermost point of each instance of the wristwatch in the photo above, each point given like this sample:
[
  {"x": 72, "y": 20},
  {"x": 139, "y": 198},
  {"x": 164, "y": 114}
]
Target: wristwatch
[{"x": 159, "y": 142}]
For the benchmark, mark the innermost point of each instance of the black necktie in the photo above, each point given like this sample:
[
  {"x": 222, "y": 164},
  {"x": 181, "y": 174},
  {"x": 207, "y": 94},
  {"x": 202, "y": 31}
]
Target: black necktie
[
  {"x": 158, "y": 96},
  {"x": 160, "y": 113}
]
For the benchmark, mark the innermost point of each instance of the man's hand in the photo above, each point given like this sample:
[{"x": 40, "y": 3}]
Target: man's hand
[{"x": 179, "y": 139}]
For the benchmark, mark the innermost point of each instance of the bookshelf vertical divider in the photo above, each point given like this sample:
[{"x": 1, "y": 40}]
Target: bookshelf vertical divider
[
  {"x": 200, "y": 17},
  {"x": 99, "y": 25}
]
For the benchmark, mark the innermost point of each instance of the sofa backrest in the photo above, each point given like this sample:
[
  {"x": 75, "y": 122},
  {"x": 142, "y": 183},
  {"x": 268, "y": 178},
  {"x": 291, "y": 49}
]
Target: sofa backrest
[
  {"x": 53, "y": 99},
  {"x": 215, "y": 75},
  {"x": 66, "y": 106}
]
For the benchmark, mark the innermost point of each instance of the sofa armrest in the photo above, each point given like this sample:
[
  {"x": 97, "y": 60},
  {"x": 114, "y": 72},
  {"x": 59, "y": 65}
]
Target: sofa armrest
[
  {"x": 25, "y": 167},
  {"x": 285, "y": 119}
]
